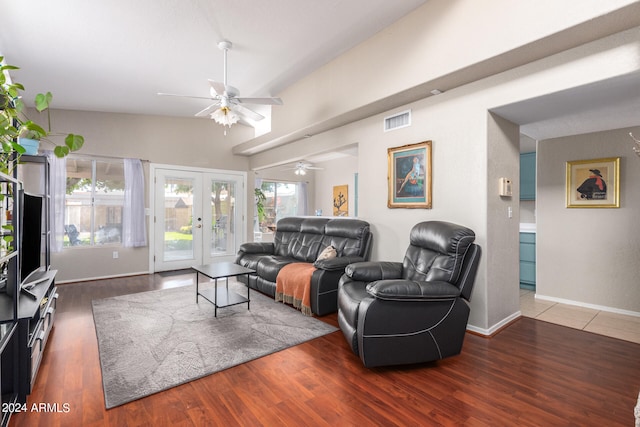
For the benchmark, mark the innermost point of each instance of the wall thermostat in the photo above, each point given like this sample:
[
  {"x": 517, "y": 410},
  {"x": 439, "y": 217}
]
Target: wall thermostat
[{"x": 504, "y": 188}]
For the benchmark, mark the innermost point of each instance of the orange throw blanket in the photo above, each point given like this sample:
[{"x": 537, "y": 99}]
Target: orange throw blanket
[{"x": 293, "y": 286}]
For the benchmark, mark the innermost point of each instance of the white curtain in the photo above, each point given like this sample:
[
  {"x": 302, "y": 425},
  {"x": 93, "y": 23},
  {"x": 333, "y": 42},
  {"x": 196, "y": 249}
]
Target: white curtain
[
  {"x": 134, "y": 230},
  {"x": 58, "y": 187},
  {"x": 302, "y": 198}
]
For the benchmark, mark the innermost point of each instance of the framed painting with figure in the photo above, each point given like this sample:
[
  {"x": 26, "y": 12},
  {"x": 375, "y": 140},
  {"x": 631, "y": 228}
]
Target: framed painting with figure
[
  {"x": 409, "y": 176},
  {"x": 593, "y": 183}
]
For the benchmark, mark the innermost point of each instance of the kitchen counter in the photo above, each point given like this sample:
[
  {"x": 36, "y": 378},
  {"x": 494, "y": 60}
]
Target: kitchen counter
[{"x": 527, "y": 227}]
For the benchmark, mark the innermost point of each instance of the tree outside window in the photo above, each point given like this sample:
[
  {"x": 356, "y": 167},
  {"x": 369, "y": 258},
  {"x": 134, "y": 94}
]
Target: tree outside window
[
  {"x": 94, "y": 202},
  {"x": 281, "y": 201}
]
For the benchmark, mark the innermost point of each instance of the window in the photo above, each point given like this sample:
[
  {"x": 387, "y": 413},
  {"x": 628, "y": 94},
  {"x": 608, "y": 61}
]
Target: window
[
  {"x": 94, "y": 201},
  {"x": 282, "y": 201}
]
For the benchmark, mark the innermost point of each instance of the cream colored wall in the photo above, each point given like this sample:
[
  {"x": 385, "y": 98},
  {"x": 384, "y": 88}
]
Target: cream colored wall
[
  {"x": 503, "y": 225},
  {"x": 588, "y": 256},
  {"x": 437, "y": 40},
  {"x": 165, "y": 140},
  {"x": 467, "y": 159},
  {"x": 339, "y": 171}
]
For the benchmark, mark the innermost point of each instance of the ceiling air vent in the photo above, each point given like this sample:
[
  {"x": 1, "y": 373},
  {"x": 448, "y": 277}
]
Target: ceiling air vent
[{"x": 397, "y": 121}]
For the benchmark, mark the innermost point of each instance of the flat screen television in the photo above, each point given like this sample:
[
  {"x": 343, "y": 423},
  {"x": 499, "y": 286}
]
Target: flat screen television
[{"x": 31, "y": 238}]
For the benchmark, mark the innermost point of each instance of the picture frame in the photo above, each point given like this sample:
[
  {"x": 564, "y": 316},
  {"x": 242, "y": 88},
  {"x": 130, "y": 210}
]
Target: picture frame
[
  {"x": 593, "y": 183},
  {"x": 341, "y": 200},
  {"x": 409, "y": 176}
]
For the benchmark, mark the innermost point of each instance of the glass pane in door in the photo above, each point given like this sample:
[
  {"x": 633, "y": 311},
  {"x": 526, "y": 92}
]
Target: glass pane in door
[
  {"x": 178, "y": 219},
  {"x": 223, "y": 211}
]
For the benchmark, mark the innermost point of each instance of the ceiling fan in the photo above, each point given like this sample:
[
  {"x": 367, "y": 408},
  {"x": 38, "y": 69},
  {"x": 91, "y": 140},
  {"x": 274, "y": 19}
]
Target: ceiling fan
[
  {"x": 301, "y": 168},
  {"x": 227, "y": 107}
]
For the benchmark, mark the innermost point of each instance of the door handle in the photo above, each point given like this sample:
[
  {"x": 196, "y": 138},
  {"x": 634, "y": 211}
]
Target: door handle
[{"x": 199, "y": 226}]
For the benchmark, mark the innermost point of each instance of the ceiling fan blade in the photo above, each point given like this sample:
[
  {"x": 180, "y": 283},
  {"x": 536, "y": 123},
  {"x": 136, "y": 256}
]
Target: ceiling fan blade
[
  {"x": 260, "y": 101},
  {"x": 208, "y": 110},
  {"x": 244, "y": 111},
  {"x": 184, "y": 96},
  {"x": 217, "y": 87}
]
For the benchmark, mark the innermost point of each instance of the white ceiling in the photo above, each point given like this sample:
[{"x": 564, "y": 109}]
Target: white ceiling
[
  {"x": 605, "y": 105},
  {"x": 115, "y": 55}
]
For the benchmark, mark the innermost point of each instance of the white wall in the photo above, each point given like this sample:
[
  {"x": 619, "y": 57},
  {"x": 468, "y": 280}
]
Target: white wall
[
  {"x": 339, "y": 171},
  {"x": 440, "y": 45},
  {"x": 467, "y": 158},
  {"x": 165, "y": 140},
  {"x": 588, "y": 256},
  {"x": 502, "y": 247}
]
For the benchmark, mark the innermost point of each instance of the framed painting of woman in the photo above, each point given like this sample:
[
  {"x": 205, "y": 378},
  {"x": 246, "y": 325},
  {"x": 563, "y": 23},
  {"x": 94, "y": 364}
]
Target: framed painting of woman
[{"x": 409, "y": 176}]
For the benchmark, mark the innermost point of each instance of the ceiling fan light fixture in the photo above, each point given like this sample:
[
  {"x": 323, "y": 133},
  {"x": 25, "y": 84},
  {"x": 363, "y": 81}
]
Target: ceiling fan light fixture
[
  {"x": 300, "y": 171},
  {"x": 225, "y": 116}
]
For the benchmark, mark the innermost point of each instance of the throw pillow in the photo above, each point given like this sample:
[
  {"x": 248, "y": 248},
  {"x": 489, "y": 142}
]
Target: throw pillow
[{"x": 327, "y": 253}]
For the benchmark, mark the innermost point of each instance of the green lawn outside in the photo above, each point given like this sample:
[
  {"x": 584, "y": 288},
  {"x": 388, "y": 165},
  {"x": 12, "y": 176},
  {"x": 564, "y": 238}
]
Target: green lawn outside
[
  {"x": 174, "y": 235},
  {"x": 168, "y": 237}
]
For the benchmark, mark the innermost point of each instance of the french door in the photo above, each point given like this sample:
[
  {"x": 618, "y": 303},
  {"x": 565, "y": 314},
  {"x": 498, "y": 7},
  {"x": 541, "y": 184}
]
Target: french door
[{"x": 199, "y": 216}]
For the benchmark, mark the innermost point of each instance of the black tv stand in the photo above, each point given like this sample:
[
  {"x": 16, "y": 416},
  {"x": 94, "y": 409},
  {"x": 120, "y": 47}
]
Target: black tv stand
[{"x": 29, "y": 293}]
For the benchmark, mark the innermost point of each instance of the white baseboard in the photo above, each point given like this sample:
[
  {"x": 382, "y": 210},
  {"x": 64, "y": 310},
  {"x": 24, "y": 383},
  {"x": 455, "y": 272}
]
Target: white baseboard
[
  {"x": 493, "y": 329},
  {"x": 586, "y": 305}
]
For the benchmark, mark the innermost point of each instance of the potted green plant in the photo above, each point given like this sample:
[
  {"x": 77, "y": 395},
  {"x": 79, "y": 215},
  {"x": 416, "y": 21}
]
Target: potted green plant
[
  {"x": 17, "y": 128},
  {"x": 260, "y": 199}
]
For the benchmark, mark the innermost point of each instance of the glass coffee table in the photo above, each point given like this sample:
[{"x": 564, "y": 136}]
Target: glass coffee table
[{"x": 221, "y": 297}]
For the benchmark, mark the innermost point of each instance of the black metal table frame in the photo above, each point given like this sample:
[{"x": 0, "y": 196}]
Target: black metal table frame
[{"x": 221, "y": 298}]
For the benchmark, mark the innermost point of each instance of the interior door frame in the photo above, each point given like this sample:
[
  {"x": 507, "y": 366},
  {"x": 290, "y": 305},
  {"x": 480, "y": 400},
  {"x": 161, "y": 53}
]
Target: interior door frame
[{"x": 241, "y": 228}]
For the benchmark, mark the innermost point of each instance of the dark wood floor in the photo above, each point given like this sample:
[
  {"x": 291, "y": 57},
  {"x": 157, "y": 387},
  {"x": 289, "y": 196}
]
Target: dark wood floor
[{"x": 530, "y": 374}]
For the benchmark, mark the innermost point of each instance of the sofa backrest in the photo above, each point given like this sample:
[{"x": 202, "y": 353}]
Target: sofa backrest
[
  {"x": 436, "y": 251},
  {"x": 304, "y": 238}
]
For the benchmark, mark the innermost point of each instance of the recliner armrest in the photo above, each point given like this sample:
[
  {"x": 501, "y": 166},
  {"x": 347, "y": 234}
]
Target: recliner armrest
[
  {"x": 412, "y": 290},
  {"x": 337, "y": 263},
  {"x": 371, "y": 270},
  {"x": 257, "y": 248}
]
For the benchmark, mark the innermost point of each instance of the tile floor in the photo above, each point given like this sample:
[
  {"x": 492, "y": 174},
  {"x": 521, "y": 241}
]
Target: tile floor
[{"x": 600, "y": 322}]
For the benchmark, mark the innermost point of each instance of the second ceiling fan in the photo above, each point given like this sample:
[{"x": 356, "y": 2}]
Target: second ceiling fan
[
  {"x": 227, "y": 107},
  {"x": 301, "y": 168}
]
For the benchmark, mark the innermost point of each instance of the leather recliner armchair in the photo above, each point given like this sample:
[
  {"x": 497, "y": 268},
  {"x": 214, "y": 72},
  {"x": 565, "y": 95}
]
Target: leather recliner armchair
[{"x": 395, "y": 313}]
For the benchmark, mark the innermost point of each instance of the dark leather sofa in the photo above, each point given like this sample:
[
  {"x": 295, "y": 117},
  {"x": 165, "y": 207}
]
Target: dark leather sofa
[
  {"x": 395, "y": 313},
  {"x": 302, "y": 239}
]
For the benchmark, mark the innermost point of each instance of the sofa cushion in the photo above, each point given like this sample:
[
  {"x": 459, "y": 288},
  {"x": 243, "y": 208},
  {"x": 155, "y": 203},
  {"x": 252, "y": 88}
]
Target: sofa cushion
[
  {"x": 295, "y": 237},
  {"x": 269, "y": 266},
  {"x": 306, "y": 247},
  {"x": 348, "y": 236}
]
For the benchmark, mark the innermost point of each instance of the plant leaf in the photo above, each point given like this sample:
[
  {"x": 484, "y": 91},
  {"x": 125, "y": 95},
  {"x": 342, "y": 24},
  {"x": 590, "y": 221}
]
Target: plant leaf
[
  {"x": 34, "y": 128},
  {"x": 61, "y": 150},
  {"x": 19, "y": 105},
  {"x": 74, "y": 142},
  {"x": 43, "y": 101}
]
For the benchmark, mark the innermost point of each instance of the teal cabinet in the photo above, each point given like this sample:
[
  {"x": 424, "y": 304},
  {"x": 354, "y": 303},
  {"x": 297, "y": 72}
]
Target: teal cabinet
[
  {"x": 528, "y": 176},
  {"x": 528, "y": 261}
]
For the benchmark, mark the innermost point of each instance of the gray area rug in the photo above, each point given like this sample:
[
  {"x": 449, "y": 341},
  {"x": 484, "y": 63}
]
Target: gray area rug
[{"x": 152, "y": 341}]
